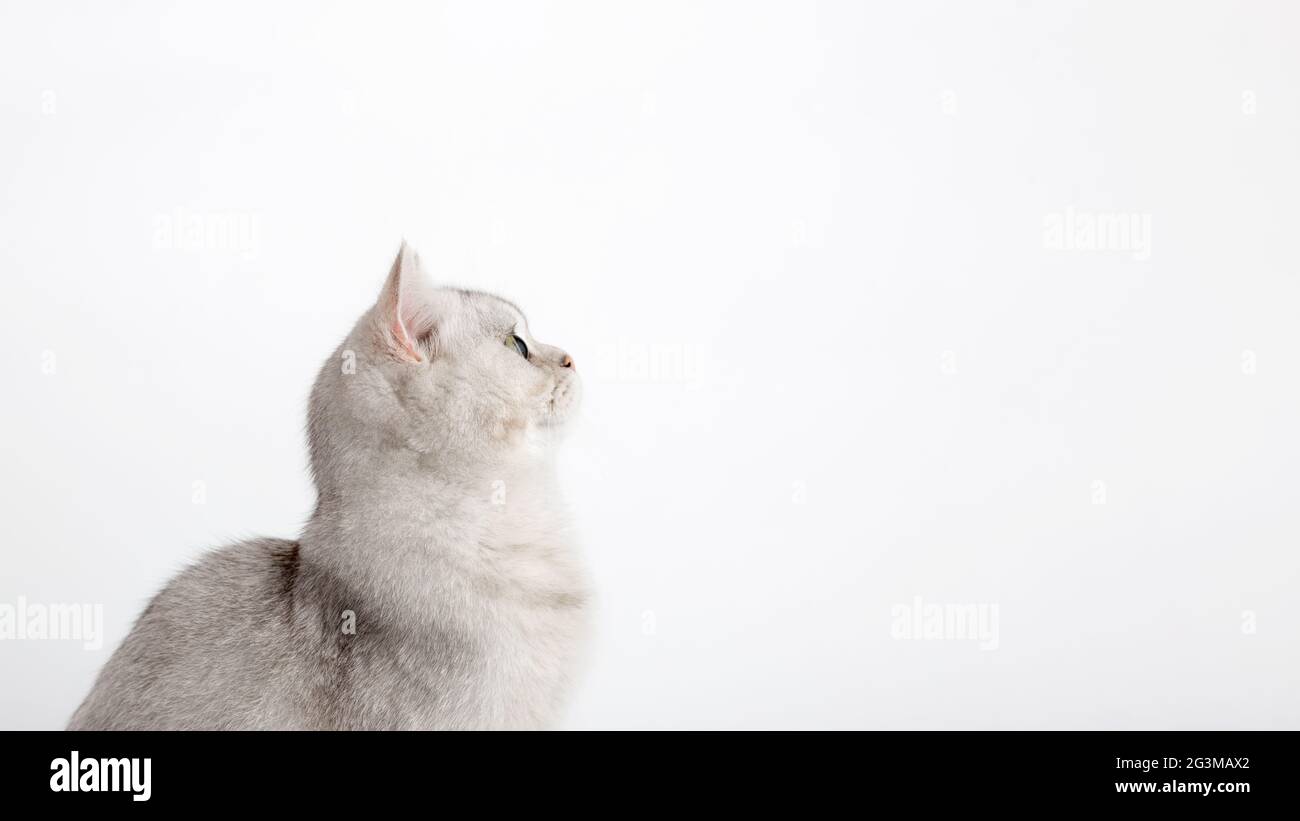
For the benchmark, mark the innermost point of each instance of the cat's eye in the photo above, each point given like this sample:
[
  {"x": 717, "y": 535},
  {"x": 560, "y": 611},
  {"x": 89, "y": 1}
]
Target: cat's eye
[{"x": 515, "y": 342}]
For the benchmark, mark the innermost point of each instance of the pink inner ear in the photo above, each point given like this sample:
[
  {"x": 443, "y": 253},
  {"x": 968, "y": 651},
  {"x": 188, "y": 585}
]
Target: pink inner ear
[
  {"x": 405, "y": 306},
  {"x": 405, "y": 347}
]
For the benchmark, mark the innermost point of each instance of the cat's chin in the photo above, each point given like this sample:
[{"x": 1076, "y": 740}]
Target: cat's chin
[{"x": 564, "y": 401}]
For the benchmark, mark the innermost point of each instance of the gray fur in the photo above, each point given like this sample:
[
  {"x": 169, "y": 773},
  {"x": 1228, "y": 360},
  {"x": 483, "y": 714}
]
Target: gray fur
[{"x": 438, "y": 525}]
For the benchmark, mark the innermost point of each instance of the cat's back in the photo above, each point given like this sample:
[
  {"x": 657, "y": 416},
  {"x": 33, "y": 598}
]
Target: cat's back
[{"x": 207, "y": 650}]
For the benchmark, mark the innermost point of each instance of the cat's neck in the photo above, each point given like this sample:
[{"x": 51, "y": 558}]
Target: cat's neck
[
  {"x": 398, "y": 539},
  {"x": 422, "y": 485}
]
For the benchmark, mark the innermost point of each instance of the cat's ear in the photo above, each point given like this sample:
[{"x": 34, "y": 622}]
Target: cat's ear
[{"x": 404, "y": 312}]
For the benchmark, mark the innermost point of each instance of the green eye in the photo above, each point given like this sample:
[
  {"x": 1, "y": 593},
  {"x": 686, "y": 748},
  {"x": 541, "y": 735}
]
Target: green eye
[{"x": 515, "y": 342}]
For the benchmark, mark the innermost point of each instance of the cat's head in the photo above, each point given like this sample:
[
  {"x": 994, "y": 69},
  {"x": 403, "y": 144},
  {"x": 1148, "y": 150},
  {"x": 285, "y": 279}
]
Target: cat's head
[{"x": 435, "y": 379}]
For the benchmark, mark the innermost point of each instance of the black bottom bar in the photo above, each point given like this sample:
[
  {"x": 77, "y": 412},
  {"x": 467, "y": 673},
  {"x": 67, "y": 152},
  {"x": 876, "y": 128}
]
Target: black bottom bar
[{"x": 1215, "y": 771}]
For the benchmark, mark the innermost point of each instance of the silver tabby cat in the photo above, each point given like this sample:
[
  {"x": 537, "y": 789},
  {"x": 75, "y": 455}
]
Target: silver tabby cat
[{"x": 435, "y": 585}]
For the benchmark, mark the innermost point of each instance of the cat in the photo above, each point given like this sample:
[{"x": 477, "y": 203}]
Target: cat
[{"x": 436, "y": 584}]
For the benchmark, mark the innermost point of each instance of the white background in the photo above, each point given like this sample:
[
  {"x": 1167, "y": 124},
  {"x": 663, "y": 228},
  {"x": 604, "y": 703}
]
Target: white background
[{"x": 831, "y": 216}]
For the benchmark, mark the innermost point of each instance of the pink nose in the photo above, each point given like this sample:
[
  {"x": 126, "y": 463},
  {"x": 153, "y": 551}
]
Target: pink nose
[{"x": 566, "y": 362}]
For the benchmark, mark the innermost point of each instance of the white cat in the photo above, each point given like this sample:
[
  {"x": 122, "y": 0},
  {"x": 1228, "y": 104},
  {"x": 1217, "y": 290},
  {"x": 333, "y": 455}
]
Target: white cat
[{"x": 435, "y": 586}]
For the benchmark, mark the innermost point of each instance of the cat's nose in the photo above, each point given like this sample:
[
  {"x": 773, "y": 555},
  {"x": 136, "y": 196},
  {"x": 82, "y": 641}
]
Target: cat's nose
[{"x": 566, "y": 362}]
